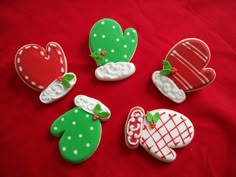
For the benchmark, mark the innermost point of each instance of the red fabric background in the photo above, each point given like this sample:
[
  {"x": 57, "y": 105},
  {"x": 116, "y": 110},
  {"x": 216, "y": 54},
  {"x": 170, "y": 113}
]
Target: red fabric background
[{"x": 27, "y": 149}]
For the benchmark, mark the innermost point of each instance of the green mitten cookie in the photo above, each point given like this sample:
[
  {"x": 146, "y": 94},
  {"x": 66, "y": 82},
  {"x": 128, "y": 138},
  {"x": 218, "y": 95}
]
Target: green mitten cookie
[
  {"x": 80, "y": 129},
  {"x": 112, "y": 49}
]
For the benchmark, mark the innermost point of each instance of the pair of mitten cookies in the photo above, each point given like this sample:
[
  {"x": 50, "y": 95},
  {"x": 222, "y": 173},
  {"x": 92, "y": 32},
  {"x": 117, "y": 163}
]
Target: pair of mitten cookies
[{"x": 158, "y": 131}]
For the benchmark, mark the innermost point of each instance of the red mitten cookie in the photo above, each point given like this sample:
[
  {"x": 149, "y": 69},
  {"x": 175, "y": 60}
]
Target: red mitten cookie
[
  {"x": 185, "y": 69},
  {"x": 158, "y": 132},
  {"x": 39, "y": 69}
]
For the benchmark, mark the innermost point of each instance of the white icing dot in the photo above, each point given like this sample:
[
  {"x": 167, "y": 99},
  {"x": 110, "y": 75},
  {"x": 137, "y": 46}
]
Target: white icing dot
[
  {"x": 36, "y": 47},
  {"x": 113, "y": 26},
  {"x": 103, "y": 36},
  {"x": 58, "y": 52},
  {"x": 62, "y": 119},
  {"x": 61, "y": 60},
  {"x": 27, "y": 47},
  {"x": 20, "y": 68},
  {"x": 80, "y": 135},
  {"x": 69, "y": 137},
  {"x": 99, "y": 49},
  {"x": 41, "y": 87},
  {"x": 18, "y": 60},
  {"x": 63, "y": 148},
  {"x": 87, "y": 145},
  {"x": 134, "y": 31},
  {"x": 125, "y": 46},
  {"x": 112, "y": 50},
  {"x": 62, "y": 70},
  {"x": 133, "y": 40},
  {"x": 76, "y": 110},
  {"x": 49, "y": 49},
  {"x": 117, "y": 39},
  {"x": 128, "y": 33},
  {"x": 94, "y": 35},
  {"x": 33, "y": 83},
  {"x": 20, "y": 52},
  {"x": 125, "y": 56},
  {"x": 42, "y": 53},
  {"x": 102, "y": 22},
  {"x": 75, "y": 152},
  {"x": 87, "y": 115},
  {"x": 73, "y": 123},
  {"x": 106, "y": 60},
  {"x": 55, "y": 128},
  {"x": 26, "y": 77},
  {"x": 91, "y": 128}
]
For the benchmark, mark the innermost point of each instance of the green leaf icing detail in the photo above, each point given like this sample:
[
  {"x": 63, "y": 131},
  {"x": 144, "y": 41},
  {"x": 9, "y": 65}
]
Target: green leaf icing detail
[
  {"x": 98, "y": 58},
  {"x": 152, "y": 118},
  {"x": 80, "y": 134},
  {"x": 107, "y": 35},
  {"x": 167, "y": 68},
  {"x": 98, "y": 111},
  {"x": 66, "y": 80}
]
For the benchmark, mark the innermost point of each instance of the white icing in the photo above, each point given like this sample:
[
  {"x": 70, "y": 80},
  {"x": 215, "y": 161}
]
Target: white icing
[
  {"x": 125, "y": 46},
  {"x": 73, "y": 123},
  {"x": 135, "y": 116},
  {"x": 41, "y": 53},
  {"x": 80, "y": 135},
  {"x": 128, "y": 33},
  {"x": 91, "y": 128},
  {"x": 168, "y": 88},
  {"x": 55, "y": 128},
  {"x": 63, "y": 148},
  {"x": 55, "y": 91},
  {"x": 117, "y": 39},
  {"x": 88, "y": 104},
  {"x": 160, "y": 141},
  {"x": 125, "y": 56},
  {"x": 103, "y": 36},
  {"x": 115, "y": 71},
  {"x": 75, "y": 152},
  {"x": 133, "y": 40},
  {"x": 87, "y": 144}
]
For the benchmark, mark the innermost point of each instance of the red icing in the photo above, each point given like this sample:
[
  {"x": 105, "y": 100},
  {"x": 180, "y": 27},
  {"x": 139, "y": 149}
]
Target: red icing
[
  {"x": 38, "y": 67},
  {"x": 95, "y": 117},
  {"x": 103, "y": 53},
  {"x": 190, "y": 57}
]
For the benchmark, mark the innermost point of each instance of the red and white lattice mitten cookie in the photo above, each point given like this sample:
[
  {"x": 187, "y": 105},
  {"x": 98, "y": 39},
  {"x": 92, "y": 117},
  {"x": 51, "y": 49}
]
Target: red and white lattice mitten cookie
[
  {"x": 184, "y": 70},
  {"x": 45, "y": 70},
  {"x": 158, "y": 132}
]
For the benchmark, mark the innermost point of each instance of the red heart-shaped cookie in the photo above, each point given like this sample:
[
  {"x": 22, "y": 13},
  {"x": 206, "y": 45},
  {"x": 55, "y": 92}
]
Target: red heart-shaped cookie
[
  {"x": 190, "y": 57},
  {"x": 38, "y": 67}
]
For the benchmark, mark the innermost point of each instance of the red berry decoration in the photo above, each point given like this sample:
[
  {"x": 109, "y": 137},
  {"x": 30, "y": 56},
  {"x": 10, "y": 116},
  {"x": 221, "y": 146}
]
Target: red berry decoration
[{"x": 103, "y": 53}]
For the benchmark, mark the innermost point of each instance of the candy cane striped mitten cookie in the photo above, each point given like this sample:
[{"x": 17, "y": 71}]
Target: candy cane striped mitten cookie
[
  {"x": 80, "y": 128},
  {"x": 45, "y": 70},
  {"x": 158, "y": 132},
  {"x": 112, "y": 49},
  {"x": 184, "y": 70}
]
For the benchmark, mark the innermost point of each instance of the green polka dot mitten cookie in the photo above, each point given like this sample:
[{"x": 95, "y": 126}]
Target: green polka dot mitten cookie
[
  {"x": 80, "y": 128},
  {"x": 112, "y": 49}
]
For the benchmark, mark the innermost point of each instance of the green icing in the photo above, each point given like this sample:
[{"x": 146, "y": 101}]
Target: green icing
[
  {"x": 107, "y": 35},
  {"x": 80, "y": 134},
  {"x": 167, "y": 68},
  {"x": 66, "y": 80},
  {"x": 98, "y": 111},
  {"x": 152, "y": 118}
]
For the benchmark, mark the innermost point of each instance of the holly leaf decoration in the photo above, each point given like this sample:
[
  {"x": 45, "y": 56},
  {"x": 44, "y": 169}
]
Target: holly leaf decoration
[
  {"x": 152, "y": 118},
  {"x": 97, "y": 56},
  {"x": 167, "y": 68},
  {"x": 149, "y": 117},
  {"x": 98, "y": 111},
  {"x": 66, "y": 80}
]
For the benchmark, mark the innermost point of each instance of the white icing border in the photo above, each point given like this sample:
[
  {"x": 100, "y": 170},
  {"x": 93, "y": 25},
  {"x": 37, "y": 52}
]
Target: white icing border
[
  {"x": 88, "y": 104},
  {"x": 168, "y": 88},
  {"x": 115, "y": 71}
]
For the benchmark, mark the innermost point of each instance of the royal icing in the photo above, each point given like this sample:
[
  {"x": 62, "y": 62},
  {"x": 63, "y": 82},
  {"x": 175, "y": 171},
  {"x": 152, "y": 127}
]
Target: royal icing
[
  {"x": 162, "y": 130},
  {"x": 38, "y": 67},
  {"x": 80, "y": 130},
  {"x": 58, "y": 88},
  {"x": 109, "y": 45},
  {"x": 185, "y": 69},
  {"x": 45, "y": 70}
]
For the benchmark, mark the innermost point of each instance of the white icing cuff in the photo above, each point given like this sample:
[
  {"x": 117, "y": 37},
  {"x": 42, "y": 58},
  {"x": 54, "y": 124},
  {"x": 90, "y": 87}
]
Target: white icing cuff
[
  {"x": 115, "y": 71},
  {"x": 56, "y": 90},
  {"x": 168, "y": 88},
  {"x": 88, "y": 104}
]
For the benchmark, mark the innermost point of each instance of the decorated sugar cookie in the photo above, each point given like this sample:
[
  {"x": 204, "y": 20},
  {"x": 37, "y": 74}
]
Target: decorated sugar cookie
[
  {"x": 184, "y": 70},
  {"x": 45, "y": 70},
  {"x": 112, "y": 49},
  {"x": 158, "y": 132},
  {"x": 80, "y": 128}
]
